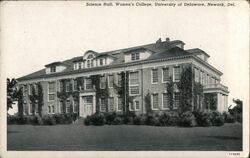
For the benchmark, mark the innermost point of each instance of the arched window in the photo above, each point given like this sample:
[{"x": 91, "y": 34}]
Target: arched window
[{"x": 90, "y": 62}]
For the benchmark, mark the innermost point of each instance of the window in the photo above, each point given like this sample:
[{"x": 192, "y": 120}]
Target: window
[
  {"x": 75, "y": 85},
  {"x": 92, "y": 63},
  {"x": 102, "y": 105},
  {"x": 53, "y": 69},
  {"x": 133, "y": 78},
  {"x": 52, "y": 109},
  {"x": 101, "y": 62},
  {"x": 67, "y": 106},
  {"x": 60, "y": 109},
  {"x": 201, "y": 77},
  {"x": 134, "y": 106},
  {"x": 119, "y": 80},
  {"x": 90, "y": 56},
  {"x": 103, "y": 82},
  {"x": 80, "y": 65},
  {"x": 154, "y": 76},
  {"x": 30, "y": 89},
  {"x": 176, "y": 100},
  {"x": 196, "y": 73},
  {"x": 60, "y": 86},
  {"x": 134, "y": 83},
  {"x": 25, "y": 90},
  {"x": 111, "y": 81},
  {"x": 165, "y": 75},
  {"x": 177, "y": 74},
  {"x": 111, "y": 104},
  {"x": 88, "y": 63},
  {"x": 205, "y": 79},
  {"x": 155, "y": 101},
  {"x": 119, "y": 104},
  {"x": 49, "y": 109},
  {"x": 88, "y": 84},
  {"x": 165, "y": 101},
  {"x": 51, "y": 91},
  {"x": 75, "y": 106},
  {"x": 137, "y": 105},
  {"x": 88, "y": 99},
  {"x": 30, "y": 108},
  {"x": 135, "y": 56},
  {"x": 67, "y": 86},
  {"x": 134, "y": 90}
]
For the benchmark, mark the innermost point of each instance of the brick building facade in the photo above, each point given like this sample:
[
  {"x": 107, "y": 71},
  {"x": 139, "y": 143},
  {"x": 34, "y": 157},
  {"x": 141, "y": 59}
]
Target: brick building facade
[{"x": 149, "y": 67}]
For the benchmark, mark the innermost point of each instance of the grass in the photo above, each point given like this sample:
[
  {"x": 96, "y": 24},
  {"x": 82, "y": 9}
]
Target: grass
[{"x": 124, "y": 138}]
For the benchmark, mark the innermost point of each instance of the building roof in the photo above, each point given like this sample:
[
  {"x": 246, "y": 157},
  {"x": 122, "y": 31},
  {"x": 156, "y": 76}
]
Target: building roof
[
  {"x": 163, "y": 50},
  {"x": 197, "y": 51}
]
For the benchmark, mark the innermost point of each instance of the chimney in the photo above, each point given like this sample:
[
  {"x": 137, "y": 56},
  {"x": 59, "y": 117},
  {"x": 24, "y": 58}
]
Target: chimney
[{"x": 158, "y": 41}]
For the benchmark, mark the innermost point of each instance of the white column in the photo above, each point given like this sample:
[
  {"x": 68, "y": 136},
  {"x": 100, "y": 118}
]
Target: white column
[
  {"x": 80, "y": 107},
  {"x": 94, "y": 104},
  {"x": 219, "y": 102}
]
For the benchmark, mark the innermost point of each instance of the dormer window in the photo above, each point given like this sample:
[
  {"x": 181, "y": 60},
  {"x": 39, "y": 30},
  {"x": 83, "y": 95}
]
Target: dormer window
[
  {"x": 90, "y": 62},
  {"x": 53, "y": 69},
  {"x": 135, "y": 56},
  {"x": 101, "y": 62}
]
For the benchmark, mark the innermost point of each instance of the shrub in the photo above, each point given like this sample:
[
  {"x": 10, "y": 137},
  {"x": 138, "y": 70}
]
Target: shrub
[
  {"x": 187, "y": 119},
  {"x": 68, "y": 118},
  {"x": 150, "y": 119},
  {"x": 97, "y": 119},
  {"x": 110, "y": 117},
  {"x": 49, "y": 120},
  {"x": 87, "y": 121},
  {"x": 59, "y": 118},
  {"x": 228, "y": 117},
  {"x": 37, "y": 120},
  {"x": 139, "y": 120},
  {"x": 128, "y": 120},
  {"x": 168, "y": 119},
  {"x": 217, "y": 118},
  {"x": 12, "y": 119},
  {"x": 203, "y": 118},
  {"x": 118, "y": 120},
  {"x": 239, "y": 117},
  {"x": 23, "y": 120}
]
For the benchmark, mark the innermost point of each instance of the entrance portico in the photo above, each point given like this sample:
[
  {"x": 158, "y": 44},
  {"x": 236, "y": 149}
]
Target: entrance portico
[
  {"x": 87, "y": 104},
  {"x": 221, "y": 94}
]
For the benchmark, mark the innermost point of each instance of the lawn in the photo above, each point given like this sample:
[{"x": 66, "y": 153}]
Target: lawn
[{"x": 124, "y": 137}]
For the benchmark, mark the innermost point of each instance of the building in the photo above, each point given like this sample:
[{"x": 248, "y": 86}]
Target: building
[{"x": 69, "y": 86}]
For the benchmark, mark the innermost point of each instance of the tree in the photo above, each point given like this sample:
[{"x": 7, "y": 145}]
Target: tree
[
  {"x": 20, "y": 102},
  {"x": 12, "y": 94},
  {"x": 236, "y": 111}
]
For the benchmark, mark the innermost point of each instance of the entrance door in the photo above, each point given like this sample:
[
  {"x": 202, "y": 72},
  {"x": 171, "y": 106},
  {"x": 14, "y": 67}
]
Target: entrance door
[{"x": 88, "y": 105}]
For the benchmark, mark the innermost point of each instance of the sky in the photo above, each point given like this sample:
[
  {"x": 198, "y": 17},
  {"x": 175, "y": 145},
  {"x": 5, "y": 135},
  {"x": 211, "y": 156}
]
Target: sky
[{"x": 34, "y": 34}]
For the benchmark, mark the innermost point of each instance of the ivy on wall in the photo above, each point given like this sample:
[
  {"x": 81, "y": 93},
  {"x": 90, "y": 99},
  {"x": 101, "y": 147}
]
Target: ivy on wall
[
  {"x": 210, "y": 101},
  {"x": 185, "y": 87},
  {"x": 147, "y": 100},
  {"x": 170, "y": 93},
  {"x": 63, "y": 95},
  {"x": 189, "y": 90},
  {"x": 40, "y": 102},
  {"x": 123, "y": 92},
  {"x": 33, "y": 99},
  {"x": 100, "y": 93}
]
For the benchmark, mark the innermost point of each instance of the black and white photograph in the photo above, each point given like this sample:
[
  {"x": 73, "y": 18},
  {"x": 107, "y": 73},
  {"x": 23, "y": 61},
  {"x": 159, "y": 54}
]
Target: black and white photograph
[{"x": 124, "y": 78}]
